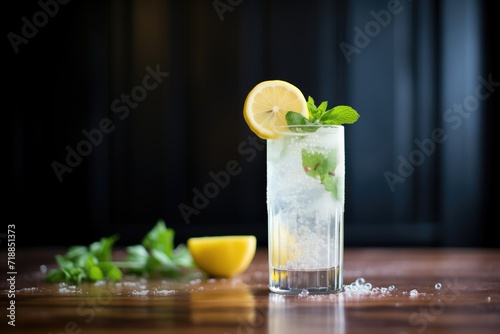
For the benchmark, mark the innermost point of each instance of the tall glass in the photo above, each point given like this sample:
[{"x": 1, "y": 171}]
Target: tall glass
[{"x": 305, "y": 203}]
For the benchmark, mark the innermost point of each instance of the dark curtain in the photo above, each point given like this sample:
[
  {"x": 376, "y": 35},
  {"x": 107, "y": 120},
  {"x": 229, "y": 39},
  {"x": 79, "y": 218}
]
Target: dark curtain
[{"x": 126, "y": 112}]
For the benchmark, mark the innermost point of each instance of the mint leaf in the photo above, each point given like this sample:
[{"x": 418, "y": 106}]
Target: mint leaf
[
  {"x": 295, "y": 118},
  {"x": 314, "y": 112},
  {"x": 182, "y": 257},
  {"x": 339, "y": 115},
  {"x": 137, "y": 259},
  {"x": 157, "y": 254},
  {"x": 322, "y": 107},
  {"x": 321, "y": 166},
  {"x": 110, "y": 270},
  {"x": 162, "y": 263},
  {"x": 102, "y": 249},
  {"x": 160, "y": 238},
  {"x": 332, "y": 184},
  {"x": 56, "y": 276},
  {"x": 95, "y": 273},
  {"x": 317, "y": 163}
]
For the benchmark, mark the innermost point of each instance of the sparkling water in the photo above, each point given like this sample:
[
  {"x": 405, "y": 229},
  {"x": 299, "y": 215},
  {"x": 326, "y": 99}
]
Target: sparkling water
[{"x": 305, "y": 200}]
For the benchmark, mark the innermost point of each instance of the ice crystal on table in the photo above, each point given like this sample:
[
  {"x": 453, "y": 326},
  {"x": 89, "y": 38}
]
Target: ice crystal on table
[
  {"x": 164, "y": 292},
  {"x": 131, "y": 283},
  {"x": 361, "y": 286},
  {"x": 65, "y": 288},
  {"x": 360, "y": 281},
  {"x": 140, "y": 292}
]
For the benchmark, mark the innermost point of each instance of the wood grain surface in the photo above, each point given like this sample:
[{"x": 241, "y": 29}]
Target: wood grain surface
[{"x": 405, "y": 299}]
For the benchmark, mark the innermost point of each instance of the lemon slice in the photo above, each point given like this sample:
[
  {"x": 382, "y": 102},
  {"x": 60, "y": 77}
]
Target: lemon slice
[
  {"x": 223, "y": 256},
  {"x": 267, "y": 104}
]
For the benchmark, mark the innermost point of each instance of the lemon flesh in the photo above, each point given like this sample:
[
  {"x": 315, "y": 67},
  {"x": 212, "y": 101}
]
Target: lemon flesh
[
  {"x": 267, "y": 104},
  {"x": 222, "y": 256}
]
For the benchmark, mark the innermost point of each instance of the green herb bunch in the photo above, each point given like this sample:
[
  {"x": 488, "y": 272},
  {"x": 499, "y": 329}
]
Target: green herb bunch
[{"x": 156, "y": 255}]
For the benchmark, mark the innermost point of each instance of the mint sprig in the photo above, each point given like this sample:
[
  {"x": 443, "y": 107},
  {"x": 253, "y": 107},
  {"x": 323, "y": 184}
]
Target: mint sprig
[
  {"x": 86, "y": 263},
  {"x": 337, "y": 115},
  {"x": 155, "y": 255}
]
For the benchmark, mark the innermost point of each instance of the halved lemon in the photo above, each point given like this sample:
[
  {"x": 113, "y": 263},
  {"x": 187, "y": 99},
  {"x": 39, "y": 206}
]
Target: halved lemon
[
  {"x": 223, "y": 256},
  {"x": 267, "y": 104}
]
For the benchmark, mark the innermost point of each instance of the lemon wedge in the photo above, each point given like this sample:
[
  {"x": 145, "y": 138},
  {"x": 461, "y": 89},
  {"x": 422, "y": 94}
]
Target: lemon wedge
[
  {"x": 267, "y": 104},
  {"x": 223, "y": 256}
]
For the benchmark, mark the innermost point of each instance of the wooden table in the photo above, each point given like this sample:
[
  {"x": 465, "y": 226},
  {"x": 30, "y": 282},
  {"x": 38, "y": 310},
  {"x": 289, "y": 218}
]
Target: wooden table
[{"x": 468, "y": 301}]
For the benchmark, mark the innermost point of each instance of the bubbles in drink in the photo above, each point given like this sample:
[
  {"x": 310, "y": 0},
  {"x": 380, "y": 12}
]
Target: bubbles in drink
[{"x": 305, "y": 177}]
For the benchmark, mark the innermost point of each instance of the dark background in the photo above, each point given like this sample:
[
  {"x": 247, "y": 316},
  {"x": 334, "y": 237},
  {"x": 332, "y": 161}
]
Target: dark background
[{"x": 405, "y": 73}]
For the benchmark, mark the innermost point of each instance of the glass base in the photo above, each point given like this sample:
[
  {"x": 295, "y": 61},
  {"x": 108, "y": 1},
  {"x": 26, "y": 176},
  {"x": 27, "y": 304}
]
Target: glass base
[{"x": 314, "y": 281}]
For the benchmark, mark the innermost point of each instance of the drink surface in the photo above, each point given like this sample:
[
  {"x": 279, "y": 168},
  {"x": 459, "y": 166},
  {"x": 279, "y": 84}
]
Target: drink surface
[{"x": 305, "y": 199}]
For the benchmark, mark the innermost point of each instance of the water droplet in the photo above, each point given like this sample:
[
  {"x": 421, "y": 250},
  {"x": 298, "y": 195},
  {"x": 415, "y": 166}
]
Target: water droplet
[
  {"x": 391, "y": 288},
  {"x": 414, "y": 293},
  {"x": 438, "y": 286}
]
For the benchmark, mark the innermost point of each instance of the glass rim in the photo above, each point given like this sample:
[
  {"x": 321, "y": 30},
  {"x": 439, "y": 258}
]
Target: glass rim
[{"x": 288, "y": 129}]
